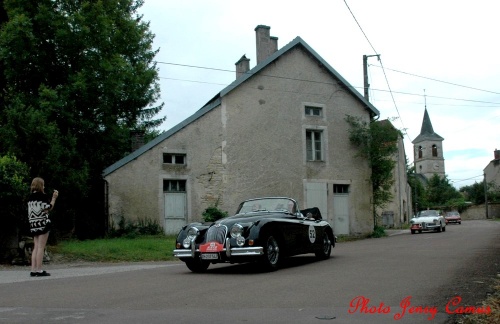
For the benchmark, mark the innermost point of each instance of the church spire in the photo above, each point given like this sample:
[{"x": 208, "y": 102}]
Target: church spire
[{"x": 427, "y": 132}]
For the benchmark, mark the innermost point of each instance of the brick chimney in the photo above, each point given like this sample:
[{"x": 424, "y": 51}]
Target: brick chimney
[
  {"x": 136, "y": 139},
  {"x": 242, "y": 66},
  {"x": 266, "y": 45},
  {"x": 497, "y": 154}
]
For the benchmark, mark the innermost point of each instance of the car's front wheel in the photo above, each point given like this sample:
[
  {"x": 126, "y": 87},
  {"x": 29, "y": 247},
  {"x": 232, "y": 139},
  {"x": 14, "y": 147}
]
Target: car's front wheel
[
  {"x": 271, "y": 257},
  {"x": 326, "y": 249},
  {"x": 197, "y": 265}
]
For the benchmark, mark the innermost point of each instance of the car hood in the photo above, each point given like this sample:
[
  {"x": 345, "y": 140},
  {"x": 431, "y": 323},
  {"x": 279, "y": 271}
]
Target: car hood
[
  {"x": 251, "y": 218},
  {"x": 424, "y": 219}
]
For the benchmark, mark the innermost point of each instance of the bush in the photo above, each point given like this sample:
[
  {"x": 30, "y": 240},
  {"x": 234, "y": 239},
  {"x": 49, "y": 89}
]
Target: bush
[
  {"x": 211, "y": 214},
  {"x": 378, "y": 231},
  {"x": 142, "y": 227}
]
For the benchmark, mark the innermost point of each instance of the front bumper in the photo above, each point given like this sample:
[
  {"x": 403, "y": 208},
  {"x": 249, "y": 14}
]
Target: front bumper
[
  {"x": 425, "y": 226},
  {"x": 227, "y": 252}
]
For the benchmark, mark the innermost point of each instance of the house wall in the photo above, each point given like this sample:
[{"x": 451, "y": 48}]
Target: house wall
[
  {"x": 266, "y": 137},
  {"x": 399, "y": 210},
  {"x": 136, "y": 190},
  {"x": 492, "y": 172}
]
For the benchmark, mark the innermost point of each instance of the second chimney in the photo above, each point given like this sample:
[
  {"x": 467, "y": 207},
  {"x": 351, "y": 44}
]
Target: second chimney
[{"x": 242, "y": 66}]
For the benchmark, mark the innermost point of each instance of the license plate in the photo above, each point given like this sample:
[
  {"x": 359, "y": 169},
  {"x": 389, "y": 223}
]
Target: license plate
[{"x": 210, "y": 256}]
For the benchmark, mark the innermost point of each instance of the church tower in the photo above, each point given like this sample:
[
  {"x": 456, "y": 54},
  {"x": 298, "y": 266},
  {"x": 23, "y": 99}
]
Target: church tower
[{"x": 428, "y": 150}]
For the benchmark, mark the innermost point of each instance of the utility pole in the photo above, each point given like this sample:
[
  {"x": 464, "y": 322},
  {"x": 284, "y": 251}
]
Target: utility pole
[
  {"x": 365, "y": 74},
  {"x": 485, "y": 194}
]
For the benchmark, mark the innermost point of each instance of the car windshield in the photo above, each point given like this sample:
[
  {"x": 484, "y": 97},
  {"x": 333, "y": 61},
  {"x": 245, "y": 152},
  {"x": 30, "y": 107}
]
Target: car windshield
[
  {"x": 425, "y": 213},
  {"x": 452, "y": 214},
  {"x": 268, "y": 204}
]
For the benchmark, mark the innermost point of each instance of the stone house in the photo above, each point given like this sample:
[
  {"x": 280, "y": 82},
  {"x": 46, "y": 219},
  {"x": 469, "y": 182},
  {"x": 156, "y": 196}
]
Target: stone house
[
  {"x": 492, "y": 170},
  {"x": 278, "y": 130},
  {"x": 398, "y": 211}
]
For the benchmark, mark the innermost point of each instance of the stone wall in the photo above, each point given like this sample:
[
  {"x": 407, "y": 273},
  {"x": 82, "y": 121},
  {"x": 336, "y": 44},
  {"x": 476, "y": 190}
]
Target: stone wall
[{"x": 479, "y": 212}]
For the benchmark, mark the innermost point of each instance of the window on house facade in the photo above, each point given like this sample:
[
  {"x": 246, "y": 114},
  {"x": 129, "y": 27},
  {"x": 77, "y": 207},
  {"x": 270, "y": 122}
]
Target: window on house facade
[
  {"x": 170, "y": 158},
  {"x": 313, "y": 111},
  {"x": 174, "y": 185},
  {"x": 420, "y": 152},
  {"x": 314, "y": 145},
  {"x": 434, "y": 150},
  {"x": 340, "y": 188}
]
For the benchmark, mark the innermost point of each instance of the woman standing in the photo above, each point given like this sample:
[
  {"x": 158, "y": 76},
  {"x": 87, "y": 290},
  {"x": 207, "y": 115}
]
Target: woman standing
[{"x": 39, "y": 205}]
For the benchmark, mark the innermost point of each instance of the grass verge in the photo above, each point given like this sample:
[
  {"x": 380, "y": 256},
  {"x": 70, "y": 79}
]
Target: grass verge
[{"x": 141, "y": 248}]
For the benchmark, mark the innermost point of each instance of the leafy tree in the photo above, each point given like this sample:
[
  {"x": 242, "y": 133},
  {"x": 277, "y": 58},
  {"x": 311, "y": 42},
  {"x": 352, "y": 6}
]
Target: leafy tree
[
  {"x": 493, "y": 192},
  {"x": 475, "y": 193},
  {"x": 77, "y": 77},
  {"x": 13, "y": 191},
  {"x": 377, "y": 141},
  {"x": 418, "y": 190},
  {"x": 440, "y": 192}
]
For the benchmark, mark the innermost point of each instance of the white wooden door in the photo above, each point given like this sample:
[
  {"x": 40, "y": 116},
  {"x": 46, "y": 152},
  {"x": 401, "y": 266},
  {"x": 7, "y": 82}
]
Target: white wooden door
[
  {"x": 316, "y": 196},
  {"x": 175, "y": 212},
  {"x": 341, "y": 213}
]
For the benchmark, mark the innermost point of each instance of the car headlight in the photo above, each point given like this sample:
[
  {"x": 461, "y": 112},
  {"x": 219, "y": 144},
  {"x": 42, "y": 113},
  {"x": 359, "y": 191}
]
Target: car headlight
[
  {"x": 240, "y": 240},
  {"x": 435, "y": 221},
  {"x": 186, "y": 243},
  {"x": 192, "y": 233},
  {"x": 236, "y": 231}
]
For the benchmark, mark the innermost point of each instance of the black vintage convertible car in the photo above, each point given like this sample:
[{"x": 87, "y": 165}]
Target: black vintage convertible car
[{"x": 263, "y": 230}]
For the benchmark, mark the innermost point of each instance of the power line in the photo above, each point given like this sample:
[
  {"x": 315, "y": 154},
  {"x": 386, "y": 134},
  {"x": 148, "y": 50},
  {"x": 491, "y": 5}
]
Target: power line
[
  {"x": 436, "y": 80},
  {"x": 195, "y": 66},
  {"x": 495, "y": 104},
  {"x": 461, "y": 180},
  {"x": 194, "y": 81},
  {"x": 320, "y": 82},
  {"x": 352, "y": 14},
  {"x": 380, "y": 60}
]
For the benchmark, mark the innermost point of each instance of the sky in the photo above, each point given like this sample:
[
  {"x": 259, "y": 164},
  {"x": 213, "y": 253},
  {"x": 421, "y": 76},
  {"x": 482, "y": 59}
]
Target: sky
[{"x": 440, "y": 55}]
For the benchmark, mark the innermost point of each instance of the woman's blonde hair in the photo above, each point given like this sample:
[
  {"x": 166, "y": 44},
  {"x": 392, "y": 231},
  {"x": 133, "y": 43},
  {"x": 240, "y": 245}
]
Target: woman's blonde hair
[{"x": 37, "y": 185}]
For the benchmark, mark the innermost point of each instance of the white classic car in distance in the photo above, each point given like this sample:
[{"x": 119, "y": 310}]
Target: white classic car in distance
[{"x": 428, "y": 220}]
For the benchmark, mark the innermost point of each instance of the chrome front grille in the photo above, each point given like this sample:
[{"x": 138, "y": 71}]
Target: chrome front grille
[{"x": 217, "y": 234}]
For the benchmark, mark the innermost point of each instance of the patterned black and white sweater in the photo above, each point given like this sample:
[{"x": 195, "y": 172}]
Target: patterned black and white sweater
[{"x": 38, "y": 216}]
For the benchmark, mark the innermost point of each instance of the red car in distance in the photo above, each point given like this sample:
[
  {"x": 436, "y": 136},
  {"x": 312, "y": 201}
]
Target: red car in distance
[{"x": 453, "y": 217}]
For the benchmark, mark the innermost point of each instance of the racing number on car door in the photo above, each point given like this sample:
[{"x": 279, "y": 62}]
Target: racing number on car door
[{"x": 312, "y": 234}]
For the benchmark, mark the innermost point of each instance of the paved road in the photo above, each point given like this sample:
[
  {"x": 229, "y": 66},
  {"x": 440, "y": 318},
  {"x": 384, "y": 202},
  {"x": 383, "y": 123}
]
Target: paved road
[{"x": 422, "y": 271}]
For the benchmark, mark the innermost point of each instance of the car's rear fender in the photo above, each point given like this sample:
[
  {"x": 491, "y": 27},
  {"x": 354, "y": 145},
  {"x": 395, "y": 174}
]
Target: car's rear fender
[{"x": 329, "y": 232}]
